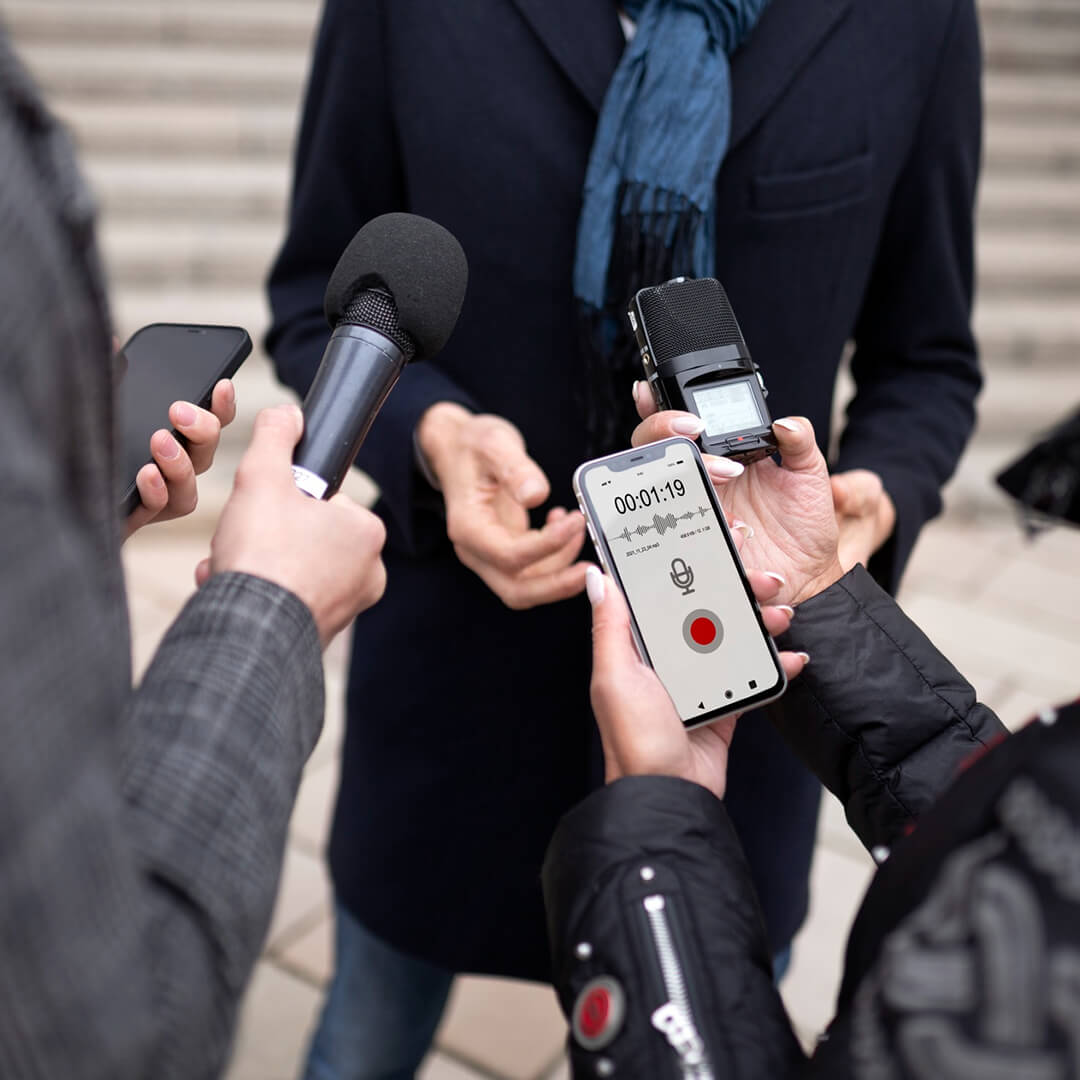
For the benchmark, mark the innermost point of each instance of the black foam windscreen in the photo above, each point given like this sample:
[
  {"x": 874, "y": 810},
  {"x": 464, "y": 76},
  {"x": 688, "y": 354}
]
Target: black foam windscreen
[
  {"x": 687, "y": 316},
  {"x": 419, "y": 263}
]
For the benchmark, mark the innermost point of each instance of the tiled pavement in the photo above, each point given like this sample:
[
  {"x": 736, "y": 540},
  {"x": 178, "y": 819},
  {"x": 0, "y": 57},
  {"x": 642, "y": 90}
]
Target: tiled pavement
[{"x": 1006, "y": 611}]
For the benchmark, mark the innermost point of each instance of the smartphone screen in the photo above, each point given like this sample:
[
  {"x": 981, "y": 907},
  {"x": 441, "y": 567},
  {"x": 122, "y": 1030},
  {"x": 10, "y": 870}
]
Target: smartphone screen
[
  {"x": 163, "y": 363},
  {"x": 656, "y": 517}
]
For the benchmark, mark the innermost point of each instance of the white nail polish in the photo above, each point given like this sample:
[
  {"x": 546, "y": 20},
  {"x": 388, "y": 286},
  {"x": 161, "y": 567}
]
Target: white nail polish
[
  {"x": 724, "y": 468},
  {"x": 688, "y": 425},
  {"x": 786, "y": 607},
  {"x": 788, "y": 425},
  {"x": 634, "y": 389},
  {"x": 743, "y": 528},
  {"x": 778, "y": 578},
  {"x": 594, "y": 585}
]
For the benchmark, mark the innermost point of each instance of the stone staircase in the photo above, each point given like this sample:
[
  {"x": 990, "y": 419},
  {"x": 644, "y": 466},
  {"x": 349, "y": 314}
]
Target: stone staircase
[{"x": 186, "y": 110}]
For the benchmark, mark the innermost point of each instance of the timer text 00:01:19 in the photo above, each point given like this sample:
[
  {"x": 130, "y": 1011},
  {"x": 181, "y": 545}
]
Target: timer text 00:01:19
[{"x": 628, "y": 503}]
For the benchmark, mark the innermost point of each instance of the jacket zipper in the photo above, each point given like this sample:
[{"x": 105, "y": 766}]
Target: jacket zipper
[{"x": 675, "y": 1019}]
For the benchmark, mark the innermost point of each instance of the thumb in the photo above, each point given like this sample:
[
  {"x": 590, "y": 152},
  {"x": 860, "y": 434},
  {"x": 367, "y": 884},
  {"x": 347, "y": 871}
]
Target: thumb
[
  {"x": 276, "y": 432},
  {"x": 798, "y": 449},
  {"x": 613, "y": 643}
]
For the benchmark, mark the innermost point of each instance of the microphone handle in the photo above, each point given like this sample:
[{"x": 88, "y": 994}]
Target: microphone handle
[{"x": 358, "y": 371}]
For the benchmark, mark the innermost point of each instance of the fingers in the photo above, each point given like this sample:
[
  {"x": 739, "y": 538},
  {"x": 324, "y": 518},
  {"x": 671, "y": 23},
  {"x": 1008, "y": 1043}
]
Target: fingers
[
  {"x": 665, "y": 425},
  {"x": 520, "y": 592},
  {"x": 223, "y": 402},
  {"x": 856, "y": 493},
  {"x": 201, "y": 429},
  {"x": 793, "y": 663},
  {"x": 485, "y": 539},
  {"x": 202, "y": 573},
  {"x": 268, "y": 458},
  {"x": 502, "y": 450},
  {"x": 777, "y": 619},
  {"x": 766, "y": 584},
  {"x": 613, "y": 643},
  {"x": 722, "y": 469},
  {"x": 798, "y": 450},
  {"x": 644, "y": 399}
]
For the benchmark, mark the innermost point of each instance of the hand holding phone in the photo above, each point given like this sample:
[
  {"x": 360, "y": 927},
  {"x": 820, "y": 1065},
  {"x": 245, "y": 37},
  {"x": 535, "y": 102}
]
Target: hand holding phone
[
  {"x": 167, "y": 368},
  {"x": 640, "y": 729},
  {"x": 661, "y": 534}
]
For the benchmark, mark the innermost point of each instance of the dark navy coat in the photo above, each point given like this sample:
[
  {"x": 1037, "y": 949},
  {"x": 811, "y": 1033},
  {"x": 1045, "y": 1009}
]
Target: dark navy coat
[{"x": 845, "y": 212}]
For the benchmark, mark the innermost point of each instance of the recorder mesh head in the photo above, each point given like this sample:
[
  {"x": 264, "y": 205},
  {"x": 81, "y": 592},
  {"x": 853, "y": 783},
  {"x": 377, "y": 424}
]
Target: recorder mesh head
[
  {"x": 376, "y": 310},
  {"x": 688, "y": 316}
]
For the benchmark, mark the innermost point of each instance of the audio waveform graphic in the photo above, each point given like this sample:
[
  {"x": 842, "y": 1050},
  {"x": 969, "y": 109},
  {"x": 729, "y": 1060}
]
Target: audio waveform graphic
[{"x": 661, "y": 523}]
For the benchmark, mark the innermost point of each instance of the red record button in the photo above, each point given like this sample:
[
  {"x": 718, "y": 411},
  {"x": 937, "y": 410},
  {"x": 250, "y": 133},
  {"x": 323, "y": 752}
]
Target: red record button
[{"x": 598, "y": 1013}]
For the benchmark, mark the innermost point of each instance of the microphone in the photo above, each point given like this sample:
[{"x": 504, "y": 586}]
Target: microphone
[
  {"x": 394, "y": 297},
  {"x": 682, "y": 576}
]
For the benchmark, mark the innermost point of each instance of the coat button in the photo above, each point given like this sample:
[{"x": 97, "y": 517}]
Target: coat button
[{"x": 598, "y": 1013}]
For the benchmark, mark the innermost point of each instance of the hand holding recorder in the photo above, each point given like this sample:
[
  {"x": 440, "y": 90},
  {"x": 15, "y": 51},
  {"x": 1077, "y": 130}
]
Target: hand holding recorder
[{"x": 788, "y": 507}]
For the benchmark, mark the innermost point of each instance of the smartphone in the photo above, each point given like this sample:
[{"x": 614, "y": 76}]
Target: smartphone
[
  {"x": 660, "y": 533},
  {"x": 160, "y": 364}
]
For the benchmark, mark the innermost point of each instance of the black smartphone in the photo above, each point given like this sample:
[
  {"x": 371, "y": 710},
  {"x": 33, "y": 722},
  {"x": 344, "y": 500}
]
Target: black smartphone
[
  {"x": 660, "y": 532},
  {"x": 160, "y": 364}
]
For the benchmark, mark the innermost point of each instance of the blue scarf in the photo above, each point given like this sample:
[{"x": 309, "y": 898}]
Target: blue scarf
[{"x": 649, "y": 209}]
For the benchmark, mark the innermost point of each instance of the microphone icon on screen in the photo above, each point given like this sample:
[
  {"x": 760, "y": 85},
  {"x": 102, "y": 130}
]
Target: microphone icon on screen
[{"x": 682, "y": 576}]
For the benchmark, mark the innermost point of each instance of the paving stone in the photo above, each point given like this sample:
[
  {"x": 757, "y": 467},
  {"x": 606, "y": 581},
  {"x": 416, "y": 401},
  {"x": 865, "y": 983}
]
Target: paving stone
[
  {"x": 512, "y": 1028},
  {"x": 1032, "y": 262},
  {"x": 1022, "y": 201},
  {"x": 311, "y": 955},
  {"x": 1039, "y": 593},
  {"x": 309, "y": 827},
  {"x": 438, "y": 1066},
  {"x": 303, "y": 898},
  {"x": 276, "y": 1021},
  {"x": 837, "y": 885},
  {"x": 835, "y": 834}
]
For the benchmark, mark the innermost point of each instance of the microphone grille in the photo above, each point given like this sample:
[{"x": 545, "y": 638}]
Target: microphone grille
[
  {"x": 688, "y": 316},
  {"x": 376, "y": 310}
]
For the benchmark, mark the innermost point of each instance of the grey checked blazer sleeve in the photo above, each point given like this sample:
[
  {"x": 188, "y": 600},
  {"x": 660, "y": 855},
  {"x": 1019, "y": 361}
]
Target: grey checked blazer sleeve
[{"x": 141, "y": 832}]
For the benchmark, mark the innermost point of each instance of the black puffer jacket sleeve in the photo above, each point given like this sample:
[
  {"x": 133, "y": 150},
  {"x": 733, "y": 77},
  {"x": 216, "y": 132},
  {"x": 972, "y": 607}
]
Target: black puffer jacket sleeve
[
  {"x": 645, "y": 878},
  {"x": 879, "y": 715}
]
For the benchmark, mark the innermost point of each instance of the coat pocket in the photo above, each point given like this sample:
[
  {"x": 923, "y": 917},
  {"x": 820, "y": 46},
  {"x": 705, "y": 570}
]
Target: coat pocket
[{"x": 813, "y": 190}]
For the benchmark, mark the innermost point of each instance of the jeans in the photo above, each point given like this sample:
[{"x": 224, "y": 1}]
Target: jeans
[{"x": 381, "y": 1011}]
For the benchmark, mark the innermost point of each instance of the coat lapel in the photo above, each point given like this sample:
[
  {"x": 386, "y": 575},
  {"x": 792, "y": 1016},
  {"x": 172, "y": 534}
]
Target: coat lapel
[
  {"x": 584, "y": 38},
  {"x": 786, "y": 37}
]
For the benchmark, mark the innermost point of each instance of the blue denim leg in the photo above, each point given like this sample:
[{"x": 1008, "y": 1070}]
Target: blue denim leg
[{"x": 381, "y": 1011}]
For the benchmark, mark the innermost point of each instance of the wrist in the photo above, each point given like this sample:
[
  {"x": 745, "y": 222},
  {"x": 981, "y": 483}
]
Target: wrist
[{"x": 820, "y": 582}]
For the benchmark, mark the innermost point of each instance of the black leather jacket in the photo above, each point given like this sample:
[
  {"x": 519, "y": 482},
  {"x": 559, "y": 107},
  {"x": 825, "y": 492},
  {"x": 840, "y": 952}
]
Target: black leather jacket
[{"x": 963, "y": 960}]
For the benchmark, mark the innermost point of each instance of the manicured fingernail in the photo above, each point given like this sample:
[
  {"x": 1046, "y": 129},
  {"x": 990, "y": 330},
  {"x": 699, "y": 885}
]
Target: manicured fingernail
[
  {"x": 743, "y": 527},
  {"x": 724, "y": 468},
  {"x": 170, "y": 448},
  {"x": 184, "y": 414},
  {"x": 688, "y": 425},
  {"x": 594, "y": 585},
  {"x": 786, "y": 607},
  {"x": 634, "y": 389},
  {"x": 778, "y": 578},
  {"x": 529, "y": 490},
  {"x": 788, "y": 424},
  {"x": 805, "y": 657},
  {"x": 230, "y": 391}
]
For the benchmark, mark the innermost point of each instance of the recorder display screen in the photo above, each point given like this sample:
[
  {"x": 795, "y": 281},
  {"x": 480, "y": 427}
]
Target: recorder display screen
[
  {"x": 669, "y": 551},
  {"x": 728, "y": 408}
]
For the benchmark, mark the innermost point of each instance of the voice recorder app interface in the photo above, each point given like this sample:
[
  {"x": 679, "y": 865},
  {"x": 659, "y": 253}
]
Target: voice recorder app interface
[{"x": 696, "y": 621}]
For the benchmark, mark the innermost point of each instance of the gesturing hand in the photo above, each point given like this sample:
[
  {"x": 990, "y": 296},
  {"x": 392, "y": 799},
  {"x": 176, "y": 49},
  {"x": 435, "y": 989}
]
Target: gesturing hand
[
  {"x": 490, "y": 483},
  {"x": 788, "y": 507},
  {"x": 640, "y": 728},
  {"x": 166, "y": 485}
]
